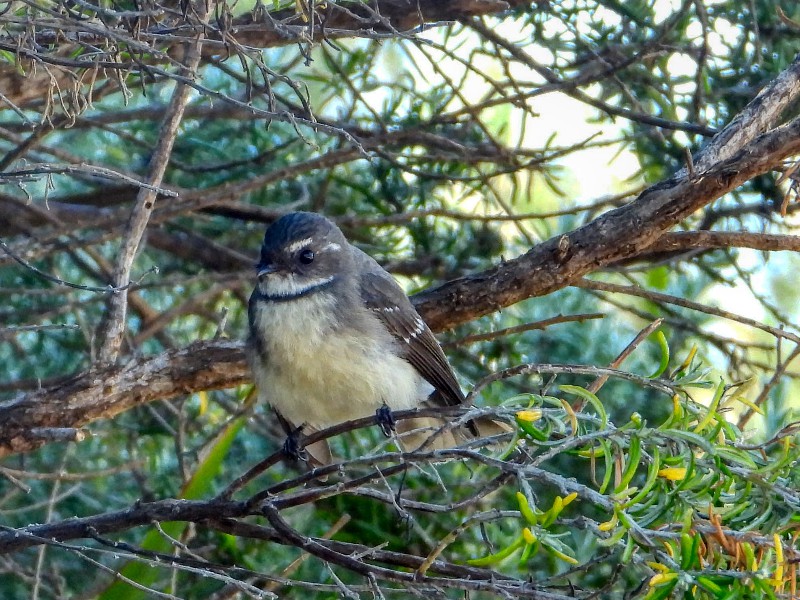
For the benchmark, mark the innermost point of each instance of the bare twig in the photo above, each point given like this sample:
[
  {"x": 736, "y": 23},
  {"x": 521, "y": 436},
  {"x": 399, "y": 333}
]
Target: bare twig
[
  {"x": 704, "y": 308},
  {"x": 543, "y": 324},
  {"x": 114, "y": 326},
  {"x": 595, "y": 386}
]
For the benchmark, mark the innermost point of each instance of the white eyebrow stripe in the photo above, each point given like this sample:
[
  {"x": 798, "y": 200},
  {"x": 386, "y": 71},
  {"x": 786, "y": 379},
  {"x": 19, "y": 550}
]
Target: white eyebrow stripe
[
  {"x": 294, "y": 246},
  {"x": 332, "y": 246}
]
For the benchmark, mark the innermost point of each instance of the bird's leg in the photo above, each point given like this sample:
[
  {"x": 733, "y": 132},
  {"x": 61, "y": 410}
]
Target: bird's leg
[
  {"x": 385, "y": 420},
  {"x": 291, "y": 445}
]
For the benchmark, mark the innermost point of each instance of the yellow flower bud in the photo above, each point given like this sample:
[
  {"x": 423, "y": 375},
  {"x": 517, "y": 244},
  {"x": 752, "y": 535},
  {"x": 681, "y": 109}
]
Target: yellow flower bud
[
  {"x": 673, "y": 473},
  {"x": 528, "y": 535},
  {"x": 529, "y": 415}
]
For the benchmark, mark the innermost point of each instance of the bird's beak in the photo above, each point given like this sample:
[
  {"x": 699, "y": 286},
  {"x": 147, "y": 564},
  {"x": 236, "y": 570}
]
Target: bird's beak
[{"x": 264, "y": 270}]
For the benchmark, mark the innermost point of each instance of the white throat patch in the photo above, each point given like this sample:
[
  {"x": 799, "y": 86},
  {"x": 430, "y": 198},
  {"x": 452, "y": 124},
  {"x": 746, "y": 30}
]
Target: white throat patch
[{"x": 279, "y": 286}]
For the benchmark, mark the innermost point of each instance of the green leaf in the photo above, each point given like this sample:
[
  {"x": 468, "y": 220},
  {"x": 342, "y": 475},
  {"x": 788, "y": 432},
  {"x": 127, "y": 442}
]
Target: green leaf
[
  {"x": 691, "y": 438},
  {"x": 591, "y": 399},
  {"x": 632, "y": 464},
  {"x": 664, "y": 347},
  {"x": 712, "y": 408},
  {"x": 498, "y": 556},
  {"x": 609, "y": 466},
  {"x": 652, "y": 476},
  {"x": 689, "y": 545},
  {"x": 529, "y": 429},
  {"x": 525, "y": 509},
  {"x": 198, "y": 486},
  {"x": 736, "y": 456}
]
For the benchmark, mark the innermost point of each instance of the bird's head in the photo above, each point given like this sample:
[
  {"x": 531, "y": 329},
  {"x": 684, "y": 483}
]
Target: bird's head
[{"x": 302, "y": 253}]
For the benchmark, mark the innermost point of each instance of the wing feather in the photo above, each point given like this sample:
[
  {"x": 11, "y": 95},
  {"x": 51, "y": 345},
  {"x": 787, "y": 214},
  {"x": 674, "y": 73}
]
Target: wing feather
[{"x": 387, "y": 300}]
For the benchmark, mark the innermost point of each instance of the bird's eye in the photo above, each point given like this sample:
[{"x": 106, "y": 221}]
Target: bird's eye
[{"x": 306, "y": 256}]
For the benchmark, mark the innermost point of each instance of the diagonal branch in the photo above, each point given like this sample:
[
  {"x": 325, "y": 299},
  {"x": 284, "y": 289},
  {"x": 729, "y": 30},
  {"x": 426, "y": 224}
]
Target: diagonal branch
[
  {"x": 106, "y": 392},
  {"x": 547, "y": 267},
  {"x": 614, "y": 236},
  {"x": 114, "y": 325},
  {"x": 631, "y": 229}
]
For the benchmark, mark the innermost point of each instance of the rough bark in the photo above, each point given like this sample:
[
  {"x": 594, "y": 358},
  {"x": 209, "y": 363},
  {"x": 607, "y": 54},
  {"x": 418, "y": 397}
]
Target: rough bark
[
  {"x": 615, "y": 236},
  {"x": 104, "y": 393}
]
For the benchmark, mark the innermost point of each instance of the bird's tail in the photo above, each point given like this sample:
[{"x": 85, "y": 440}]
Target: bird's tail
[{"x": 431, "y": 433}]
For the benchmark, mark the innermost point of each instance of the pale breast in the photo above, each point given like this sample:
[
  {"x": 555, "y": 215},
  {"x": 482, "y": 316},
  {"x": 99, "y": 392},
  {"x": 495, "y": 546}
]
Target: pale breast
[{"x": 322, "y": 375}]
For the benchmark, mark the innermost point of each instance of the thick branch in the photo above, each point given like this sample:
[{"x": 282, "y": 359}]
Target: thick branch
[
  {"x": 103, "y": 393},
  {"x": 614, "y": 236},
  {"x": 708, "y": 240},
  {"x": 13, "y": 540},
  {"x": 631, "y": 229}
]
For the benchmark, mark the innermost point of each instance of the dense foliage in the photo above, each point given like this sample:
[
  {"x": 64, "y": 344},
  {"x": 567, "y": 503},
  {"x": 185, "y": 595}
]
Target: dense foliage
[{"x": 642, "y": 466}]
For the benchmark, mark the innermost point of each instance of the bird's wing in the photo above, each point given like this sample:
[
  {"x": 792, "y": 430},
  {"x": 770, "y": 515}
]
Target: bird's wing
[{"x": 387, "y": 300}]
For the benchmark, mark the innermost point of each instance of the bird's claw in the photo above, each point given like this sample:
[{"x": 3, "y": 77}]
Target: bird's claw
[
  {"x": 291, "y": 446},
  {"x": 385, "y": 420}
]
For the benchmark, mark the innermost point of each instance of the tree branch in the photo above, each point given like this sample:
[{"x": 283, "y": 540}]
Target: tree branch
[
  {"x": 709, "y": 240},
  {"x": 621, "y": 233},
  {"x": 106, "y": 392},
  {"x": 616, "y": 235},
  {"x": 630, "y": 230},
  {"x": 113, "y": 328},
  {"x": 257, "y": 29}
]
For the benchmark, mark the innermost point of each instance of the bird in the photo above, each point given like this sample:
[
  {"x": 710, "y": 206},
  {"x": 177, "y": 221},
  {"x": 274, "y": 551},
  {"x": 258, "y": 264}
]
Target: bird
[{"x": 333, "y": 337}]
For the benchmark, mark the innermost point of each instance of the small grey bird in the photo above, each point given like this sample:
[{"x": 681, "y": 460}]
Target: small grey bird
[{"x": 333, "y": 337}]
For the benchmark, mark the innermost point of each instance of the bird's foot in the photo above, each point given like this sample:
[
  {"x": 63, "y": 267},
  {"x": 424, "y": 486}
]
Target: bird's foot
[
  {"x": 385, "y": 420},
  {"x": 291, "y": 445}
]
